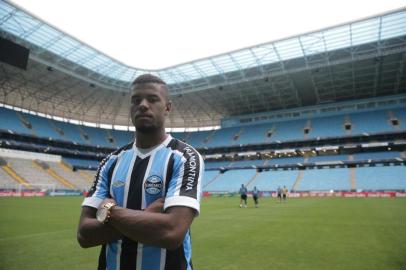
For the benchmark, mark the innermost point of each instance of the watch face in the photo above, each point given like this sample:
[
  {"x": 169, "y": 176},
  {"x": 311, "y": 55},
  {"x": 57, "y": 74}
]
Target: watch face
[{"x": 101, "y": 214}]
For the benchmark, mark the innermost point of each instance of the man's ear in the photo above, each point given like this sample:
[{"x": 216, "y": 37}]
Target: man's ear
[{"x": 168, "y": 106}]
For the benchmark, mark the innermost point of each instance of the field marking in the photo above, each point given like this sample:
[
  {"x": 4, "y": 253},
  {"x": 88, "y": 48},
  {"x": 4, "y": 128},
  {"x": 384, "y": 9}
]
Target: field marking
[{"x": 32, "y": 235}]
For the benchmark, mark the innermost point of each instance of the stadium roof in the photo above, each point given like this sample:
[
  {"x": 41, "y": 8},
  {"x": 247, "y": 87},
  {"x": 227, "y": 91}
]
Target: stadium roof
[{"x": 360, "y": 59}]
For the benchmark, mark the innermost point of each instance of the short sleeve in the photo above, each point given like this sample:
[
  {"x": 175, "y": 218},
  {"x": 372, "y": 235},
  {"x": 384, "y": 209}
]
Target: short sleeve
[
  {"x": 185, "y": 184},
  {"x": 100, "y": 188}
]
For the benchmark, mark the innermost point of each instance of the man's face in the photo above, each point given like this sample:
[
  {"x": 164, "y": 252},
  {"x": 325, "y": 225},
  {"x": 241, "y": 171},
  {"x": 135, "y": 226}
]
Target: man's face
[{"x": 149, "y": 107}]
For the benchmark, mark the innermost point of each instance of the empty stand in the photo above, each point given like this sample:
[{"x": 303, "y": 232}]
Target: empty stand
[
  {"x": 32, "y": 172},
  {"x": 381, "y": 178},
  {"x": 257, "y": 134},
  {"x": 317, "y": 127},
  {"x": 66, "y": 173},
  {"x": 20, "y": 180},
  {"x": 330, "y": 126},
  {"x": 230, "y": 181},
  {"x": 199, "y": 139},
  {"x": 87, "y": 175},
  {"x": 10, "y": 121},
  {"x": 182, "y": 136},
  {"x": 325, "y": 180},
  {"x": 217, "y": 164},
  {"x": 122, "y": 137},
  {"x": 271, "y": 180},
  {"x": 242, "y": 163},
  {"x": 70, "y": 132},
  {"x": 82, "y": 163},
  {"x": 376, "y": 155},
  {"x": 47, "y": 167},
  {"x": 6, "y": 179},
  {"x": 43, "y": 127},
  {"x": 328, "y": 158},
  {"x": 361, "y": 122},
  {"x": 224, "y": 137},
  {"x": 281, "y": 161},
  {"x": 209, "y": 177},
  {"x": 400, "y": 115},
  {"x": 289, "y": 130}
]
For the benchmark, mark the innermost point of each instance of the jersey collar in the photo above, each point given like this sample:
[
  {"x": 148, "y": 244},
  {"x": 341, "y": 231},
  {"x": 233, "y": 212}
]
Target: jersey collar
[{"x": 154, "y": 150}]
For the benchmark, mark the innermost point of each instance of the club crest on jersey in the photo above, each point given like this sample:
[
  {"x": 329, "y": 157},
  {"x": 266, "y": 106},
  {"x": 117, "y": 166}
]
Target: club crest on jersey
[
  {"x": 153, "y": 185},
  {"x": 118, "y": 184}
]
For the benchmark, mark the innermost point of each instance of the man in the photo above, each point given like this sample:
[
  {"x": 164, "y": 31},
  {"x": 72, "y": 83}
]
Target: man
[
  {"x": 255, "y": 194},
  {"x": 146, "y": 194},
  {"x": 243, "y": 196},
  {"x": 279, "y": 192},
  {"x": 285, "y": 193}
]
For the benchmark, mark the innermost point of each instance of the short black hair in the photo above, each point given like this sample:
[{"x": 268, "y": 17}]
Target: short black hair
[{"x": 148, "y": 78}]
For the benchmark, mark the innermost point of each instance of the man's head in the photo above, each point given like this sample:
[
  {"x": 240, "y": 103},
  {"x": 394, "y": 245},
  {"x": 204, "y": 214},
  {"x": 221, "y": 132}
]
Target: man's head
[{"x": 150, "y": 104}]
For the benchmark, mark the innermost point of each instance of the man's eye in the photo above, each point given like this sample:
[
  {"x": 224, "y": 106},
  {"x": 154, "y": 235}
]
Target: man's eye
[{"x": 152, "y": 99}]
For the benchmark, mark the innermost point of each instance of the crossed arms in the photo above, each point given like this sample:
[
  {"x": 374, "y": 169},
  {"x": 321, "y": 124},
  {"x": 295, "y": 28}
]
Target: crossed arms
[{"x": 151, "y": 226}]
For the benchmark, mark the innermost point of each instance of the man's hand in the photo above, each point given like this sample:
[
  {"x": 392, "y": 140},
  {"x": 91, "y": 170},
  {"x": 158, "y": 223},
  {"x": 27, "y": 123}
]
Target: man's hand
[
  {"x": 156, "y": 207},
  {"x": 107, "y": 200}
]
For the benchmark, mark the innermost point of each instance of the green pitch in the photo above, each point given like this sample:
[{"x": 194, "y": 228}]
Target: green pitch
[{"x": 311, "y": 233}]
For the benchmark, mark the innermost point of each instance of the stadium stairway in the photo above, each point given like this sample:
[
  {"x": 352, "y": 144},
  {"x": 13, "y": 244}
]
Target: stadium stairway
[
  {"x": 17, "y": 178},
  {"x": 308, "y": 127},
  {"x": 58, "y": 130},
  {"x": 6, "y": 180},
  {"x": 65, "y": 171},
  {"x": 111, "y": 139},
  {"x": 299, "y": 176},
  {"x": 28, "y": 170},
  {"x": 298, "y": 179},
  {"x": 353, "y": 175},
  {"x": 251, "y": 181},
  {"x": 211, "y": 181},
  {"x": 46, "y": 168},
  {"x": 207, "y": 140},
  {"x": 236, "y": 137},
  {"x": 86, "y": 175},
  {"x": 26, "y": 123},
  {"x": 84, "y": 136},
  {"x": 347, "y": 122}
]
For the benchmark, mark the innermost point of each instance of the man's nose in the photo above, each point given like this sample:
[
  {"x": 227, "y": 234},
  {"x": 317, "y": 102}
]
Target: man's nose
[{"x": 144, "y": 104}]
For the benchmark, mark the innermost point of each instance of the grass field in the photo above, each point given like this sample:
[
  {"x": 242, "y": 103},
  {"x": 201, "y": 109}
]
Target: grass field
[{"x": 307, "y": 233}]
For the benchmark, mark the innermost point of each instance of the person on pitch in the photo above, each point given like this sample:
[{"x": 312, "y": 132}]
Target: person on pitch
[{"x": 146, "y": 194}]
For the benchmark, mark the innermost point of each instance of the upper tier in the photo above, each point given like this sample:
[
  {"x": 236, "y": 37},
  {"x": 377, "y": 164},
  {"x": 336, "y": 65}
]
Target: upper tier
[{"x": 319, "y": 127}]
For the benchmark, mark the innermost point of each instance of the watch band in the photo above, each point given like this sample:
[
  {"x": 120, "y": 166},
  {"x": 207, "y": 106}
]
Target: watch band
[{"x": 108, "y": 207}]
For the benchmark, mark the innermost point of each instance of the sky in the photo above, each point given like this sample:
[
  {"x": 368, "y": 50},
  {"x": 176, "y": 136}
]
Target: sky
[{"x": 155, "y": 34}]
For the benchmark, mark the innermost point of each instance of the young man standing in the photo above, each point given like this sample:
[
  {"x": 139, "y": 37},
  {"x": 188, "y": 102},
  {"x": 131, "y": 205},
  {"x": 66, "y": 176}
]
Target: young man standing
[
  {"x": 279, "y": 193},
  {"x": 146, "y": 194},
  {"x": 255, "y": 195},
  {"x": 243, "y": 196},
  {"x": 285, "y": 192}
]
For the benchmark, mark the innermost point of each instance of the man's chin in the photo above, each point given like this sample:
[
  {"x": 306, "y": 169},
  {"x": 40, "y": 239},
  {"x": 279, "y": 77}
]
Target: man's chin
[{"x": 146, "y": 129}]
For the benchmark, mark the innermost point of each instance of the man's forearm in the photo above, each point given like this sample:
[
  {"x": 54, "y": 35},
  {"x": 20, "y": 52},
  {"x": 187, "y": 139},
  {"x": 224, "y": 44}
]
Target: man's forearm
[
  {"x": 157, "y": 229},
  {"x": 93, "y": 233},
  {"x": 145, "y": 227}
]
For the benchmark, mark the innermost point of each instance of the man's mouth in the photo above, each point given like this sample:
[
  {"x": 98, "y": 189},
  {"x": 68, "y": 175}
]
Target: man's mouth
[{"x": 143, "y": 116}]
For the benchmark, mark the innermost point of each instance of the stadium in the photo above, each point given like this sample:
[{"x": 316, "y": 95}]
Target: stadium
[{"x": 321, "y": 113}]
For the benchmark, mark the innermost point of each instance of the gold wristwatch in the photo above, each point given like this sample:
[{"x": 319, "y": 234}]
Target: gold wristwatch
[{"x": 103, "y": 213}]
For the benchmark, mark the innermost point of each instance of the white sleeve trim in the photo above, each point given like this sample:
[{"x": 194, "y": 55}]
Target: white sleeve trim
[
  {"x": 92, "y": 202},
  {"x": 182, "y": 201}
]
